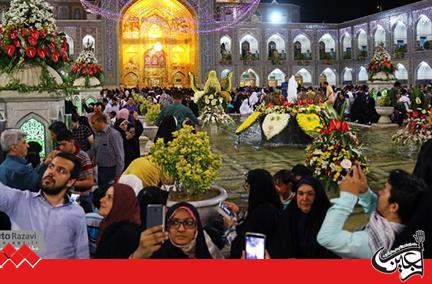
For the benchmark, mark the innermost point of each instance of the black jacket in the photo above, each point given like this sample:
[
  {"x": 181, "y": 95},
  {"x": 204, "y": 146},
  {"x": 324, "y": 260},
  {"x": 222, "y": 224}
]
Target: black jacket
[{"x": 118, "y": 241}]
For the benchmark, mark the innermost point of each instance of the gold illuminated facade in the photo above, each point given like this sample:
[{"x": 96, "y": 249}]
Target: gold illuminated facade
[{"x": 158, "y": 44}]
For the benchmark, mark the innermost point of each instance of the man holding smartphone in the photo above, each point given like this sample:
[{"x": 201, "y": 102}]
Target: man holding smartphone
[{"x": 389, "y": 211}]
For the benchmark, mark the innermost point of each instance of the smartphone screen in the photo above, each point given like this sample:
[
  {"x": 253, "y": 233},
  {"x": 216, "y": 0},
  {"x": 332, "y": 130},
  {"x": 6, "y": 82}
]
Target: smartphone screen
[
  {"x": 155, "y": 215},
  {"x": 255, "y": 246}
]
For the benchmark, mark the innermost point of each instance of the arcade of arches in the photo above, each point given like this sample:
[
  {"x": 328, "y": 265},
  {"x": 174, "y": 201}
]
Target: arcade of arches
[{"x": 158, "y": 44}]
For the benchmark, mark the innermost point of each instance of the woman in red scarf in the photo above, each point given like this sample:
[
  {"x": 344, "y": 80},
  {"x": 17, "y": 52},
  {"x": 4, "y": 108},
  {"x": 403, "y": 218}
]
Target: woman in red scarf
[{"x": 119, "y": 231}]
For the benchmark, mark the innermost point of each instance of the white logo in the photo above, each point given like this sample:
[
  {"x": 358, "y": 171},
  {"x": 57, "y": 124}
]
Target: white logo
[{"x": 407, "y": 259}]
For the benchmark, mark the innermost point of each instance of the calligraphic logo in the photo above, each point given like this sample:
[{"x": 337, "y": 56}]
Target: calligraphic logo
[{"x": 407, "y": 259}]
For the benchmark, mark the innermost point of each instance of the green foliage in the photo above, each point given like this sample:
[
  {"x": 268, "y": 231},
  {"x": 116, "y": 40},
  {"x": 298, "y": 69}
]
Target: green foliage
[
  {"x": 188, "y": 159},
  {"x": 153, "y": 112}
]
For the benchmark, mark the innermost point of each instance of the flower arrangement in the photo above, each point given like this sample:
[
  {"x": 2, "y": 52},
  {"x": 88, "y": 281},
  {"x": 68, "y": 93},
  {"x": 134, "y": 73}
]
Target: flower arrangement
[
  {"x": 417, "y": 128},
  {"x": 143, "y": 103},
  {"x": 86, "y": 65},
  {"x": 153, "y": 112},
  {"x": 211, "y": 99},
  {"x": 335, "y": 150},
  {"x": 304, "y": 111},
  {"x": 250, "y": 120},
  {"x": 188, "y": 159},
  {"x": 28, "y": 36},
  {"x": 274, "y": 123},
  {"x": 385, "y": 100},
  {"x": 381, "y": 68}
]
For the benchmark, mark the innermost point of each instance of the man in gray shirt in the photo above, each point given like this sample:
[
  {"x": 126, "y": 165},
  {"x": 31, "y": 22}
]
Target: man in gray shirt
[
  {"x": 107, "y": 150},
  {"x": 60, "y": 222}
]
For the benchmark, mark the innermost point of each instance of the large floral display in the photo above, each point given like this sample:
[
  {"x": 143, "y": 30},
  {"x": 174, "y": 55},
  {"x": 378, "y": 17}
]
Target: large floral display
[
  {"x": 335, "y": 150},
  {"x": 29, "y": 39},
  {"x": 86, "y": 66},
  {"x": 300, "y": 120},
  {"x": 211, "y": 100},
  {"x": 416, "y": 130},
  {"x": 381, "y": 67}
]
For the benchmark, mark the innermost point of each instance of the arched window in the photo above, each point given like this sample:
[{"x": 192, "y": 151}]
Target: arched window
[
  {"x": 346, "y": 46},
  {"x": 306, "y": 76},
  {"x": 249, "y": 48},
  {"x": 327, "y": 47},
  {"x": 276, "y": 47},
  {"x": 225, "y": 50},
  {"x": 362, "y": 44},
  {"x": 35, "y": 131},
  {"x": 331, "y": 76},
  {"x": 363, "y": 75},
  {"x": 424, "y": 33},
  {"x": 424, "y": 73},
  {"x": 302, "y": 48},
  {"x": 276, "y": 75},
  {"x": 249, "y": 78},
  {"x": 399, "y": 40},
  {"x": 401, "y": 72},
  {"x": 379, "y": 36},
  {"x": 347, "y": 76},
  {"x": 70, "y": 43}
]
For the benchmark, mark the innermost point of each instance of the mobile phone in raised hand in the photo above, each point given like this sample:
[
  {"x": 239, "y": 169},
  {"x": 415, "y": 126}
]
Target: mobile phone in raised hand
[
  {"x": 255, "y": 245},
  {"x": 155, "y": 215}
]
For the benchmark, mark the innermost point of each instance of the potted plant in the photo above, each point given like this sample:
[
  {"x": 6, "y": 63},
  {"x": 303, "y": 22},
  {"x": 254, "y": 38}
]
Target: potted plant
[
  {"x": 189, "y": 160},
  {"x": 86, "y": 71},
  {"x": 384, "y": 108}
]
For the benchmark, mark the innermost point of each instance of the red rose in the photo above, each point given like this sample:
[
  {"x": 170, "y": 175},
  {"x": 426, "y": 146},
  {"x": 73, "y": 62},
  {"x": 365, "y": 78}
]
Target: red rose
[
  {"x": 42, "y": 34},
  {"x": 34, "y": 34},
  {"x": 17, "y": 43},
  {"x": 10, "y": 50},
  {"x": 14, "y": 35},
  {"x": 32, "y": 41},
  {"x": 30, "y": 52},
  {"x": 42, "y": 52},
  {"x": 55, "y": 56}
]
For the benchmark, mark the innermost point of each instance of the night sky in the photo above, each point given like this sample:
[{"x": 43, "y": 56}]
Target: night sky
[{"x": 330, "y": 11}]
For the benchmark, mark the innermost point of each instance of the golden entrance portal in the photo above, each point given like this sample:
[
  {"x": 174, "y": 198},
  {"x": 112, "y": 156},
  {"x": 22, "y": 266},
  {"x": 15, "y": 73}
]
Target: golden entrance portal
[{"x": 158, "y": 45}]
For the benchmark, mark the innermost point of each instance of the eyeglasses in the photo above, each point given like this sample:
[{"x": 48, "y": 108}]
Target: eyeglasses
[{"x": 188, "y": 224}]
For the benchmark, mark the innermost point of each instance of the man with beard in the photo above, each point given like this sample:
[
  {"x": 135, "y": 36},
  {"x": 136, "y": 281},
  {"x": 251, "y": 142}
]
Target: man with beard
[{"x": 51, "y": 212}]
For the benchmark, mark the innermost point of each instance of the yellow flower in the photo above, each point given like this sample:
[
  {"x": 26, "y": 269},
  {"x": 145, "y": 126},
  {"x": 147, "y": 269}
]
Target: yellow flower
[
  {"x": 248, "y": 122},
  {"x": 309, "y": 122}
]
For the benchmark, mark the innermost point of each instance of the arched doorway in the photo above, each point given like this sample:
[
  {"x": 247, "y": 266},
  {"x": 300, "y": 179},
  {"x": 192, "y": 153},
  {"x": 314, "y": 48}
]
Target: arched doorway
[{"x": 159, "y": 44}]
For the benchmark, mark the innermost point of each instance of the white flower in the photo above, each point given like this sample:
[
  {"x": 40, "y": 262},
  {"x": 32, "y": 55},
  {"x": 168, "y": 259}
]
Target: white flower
[{"x": 346, "y": 164}]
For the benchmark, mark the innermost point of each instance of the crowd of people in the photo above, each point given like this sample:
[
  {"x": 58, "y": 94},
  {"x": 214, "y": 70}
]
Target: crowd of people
[{"x": 89, "y": 196}]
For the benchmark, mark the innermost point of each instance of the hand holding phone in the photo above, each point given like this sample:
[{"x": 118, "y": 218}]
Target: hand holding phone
[
  {"x": 225, "y": 211},
  {"x": 255, "y": 246}
]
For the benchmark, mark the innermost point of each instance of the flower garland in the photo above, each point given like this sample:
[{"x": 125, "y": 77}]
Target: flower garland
[
  {"x": 381, "y": 62},
  {"x": 29, "y": 36},
  {"x": 335, "y": 149},
  {"x": 417, "y": 128}
]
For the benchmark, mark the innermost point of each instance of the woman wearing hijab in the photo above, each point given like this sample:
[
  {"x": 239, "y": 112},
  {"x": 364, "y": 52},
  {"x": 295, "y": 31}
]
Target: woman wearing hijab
[
  {"x": 423, "y": 167},
  {"x": 130, "y": 134},
  {"x": 166, "y": 129},
  {"x": 184, "y": 237},
  {"x": 150, "y": 195},
  {"x": 264, "y": 208},
  {"x": 119, "y": 231},
  {"x": 296, "y": 236}
]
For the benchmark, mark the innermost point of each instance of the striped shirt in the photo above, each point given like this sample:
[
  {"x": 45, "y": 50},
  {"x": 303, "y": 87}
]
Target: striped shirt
[
  {"x": 108, "y": 150},
  {"x": 86, "y": 164}
]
